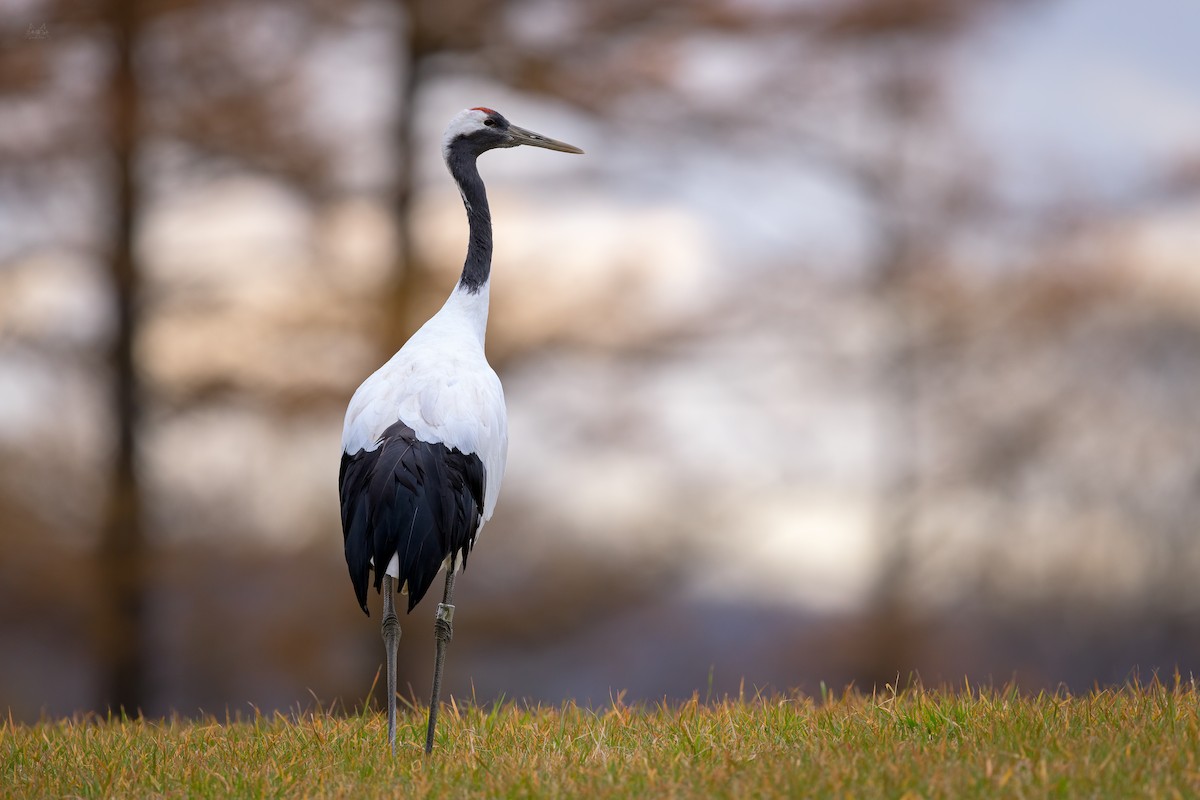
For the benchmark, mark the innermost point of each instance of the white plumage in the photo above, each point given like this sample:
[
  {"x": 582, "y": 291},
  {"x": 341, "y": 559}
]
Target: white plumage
[
  {"x": 441, "y": 385},
  {"x": 426, "y": 436}
]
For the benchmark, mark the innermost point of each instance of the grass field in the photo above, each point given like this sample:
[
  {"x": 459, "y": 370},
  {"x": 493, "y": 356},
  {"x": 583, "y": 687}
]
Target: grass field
[{"x": 1139, "y": 741}]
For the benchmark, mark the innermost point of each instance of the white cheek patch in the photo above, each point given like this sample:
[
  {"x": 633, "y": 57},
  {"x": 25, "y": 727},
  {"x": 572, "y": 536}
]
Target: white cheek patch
[{"x": 464, "y": 122}]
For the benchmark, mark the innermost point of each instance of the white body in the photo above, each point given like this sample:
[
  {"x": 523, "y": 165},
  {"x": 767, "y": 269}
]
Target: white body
[{"x": 440, "y": 385}]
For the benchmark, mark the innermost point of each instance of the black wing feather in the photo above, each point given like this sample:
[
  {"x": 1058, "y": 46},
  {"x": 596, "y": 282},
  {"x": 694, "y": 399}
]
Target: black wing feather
[{"x": 417, "y": 500}]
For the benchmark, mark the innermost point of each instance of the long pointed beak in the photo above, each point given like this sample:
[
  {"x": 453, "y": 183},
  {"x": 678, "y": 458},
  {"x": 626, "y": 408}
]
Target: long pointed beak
[{"x": 523, "y": 136}]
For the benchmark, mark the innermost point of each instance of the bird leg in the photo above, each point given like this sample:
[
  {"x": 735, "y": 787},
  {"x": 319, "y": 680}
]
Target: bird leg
[
  {"x": 391, "y": 640},
  {"x": 443, "y": 631}
]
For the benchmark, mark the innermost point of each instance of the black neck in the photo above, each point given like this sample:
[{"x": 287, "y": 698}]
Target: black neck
[{"x": 478, "y": 266}]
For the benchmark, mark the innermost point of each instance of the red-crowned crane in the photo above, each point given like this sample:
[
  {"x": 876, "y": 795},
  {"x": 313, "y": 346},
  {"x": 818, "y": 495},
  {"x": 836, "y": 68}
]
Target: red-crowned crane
[{"x": 426, "y": 436}]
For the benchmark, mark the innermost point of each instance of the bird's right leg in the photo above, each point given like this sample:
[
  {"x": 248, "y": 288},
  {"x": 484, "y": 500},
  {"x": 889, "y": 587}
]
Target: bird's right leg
[
  {"x": 443, "y": 631},
  {"x": 391, "y": 640}
]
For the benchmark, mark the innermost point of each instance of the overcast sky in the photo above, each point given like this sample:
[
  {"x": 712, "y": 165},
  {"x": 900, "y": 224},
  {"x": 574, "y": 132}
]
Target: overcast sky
[{"x": 1098, "y": 90}]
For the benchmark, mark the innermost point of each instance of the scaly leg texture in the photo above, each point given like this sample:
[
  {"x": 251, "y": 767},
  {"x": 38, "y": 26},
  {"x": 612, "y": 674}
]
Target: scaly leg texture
[
  {"x": 391, "y": 640},
  {"x": 443, "y": 631}
]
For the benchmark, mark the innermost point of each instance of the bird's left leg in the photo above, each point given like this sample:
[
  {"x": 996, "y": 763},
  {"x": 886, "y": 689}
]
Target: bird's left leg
[
  {"x": 443, "y": 631},
  {"x": 391, "y": 640}
]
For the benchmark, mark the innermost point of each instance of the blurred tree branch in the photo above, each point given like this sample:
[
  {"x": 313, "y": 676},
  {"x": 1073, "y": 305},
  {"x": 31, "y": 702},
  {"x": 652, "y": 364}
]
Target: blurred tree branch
[
  {"x": 853, "y": 88},
  {"x": 165, "y": 71}
]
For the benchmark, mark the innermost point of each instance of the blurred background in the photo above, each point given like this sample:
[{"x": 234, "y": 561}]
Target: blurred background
[{"x": 863, "y": 343}]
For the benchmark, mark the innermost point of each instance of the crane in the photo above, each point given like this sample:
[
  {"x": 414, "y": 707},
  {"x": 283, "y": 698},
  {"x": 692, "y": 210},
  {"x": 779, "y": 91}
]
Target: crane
[{"x": 426, "y": 436}]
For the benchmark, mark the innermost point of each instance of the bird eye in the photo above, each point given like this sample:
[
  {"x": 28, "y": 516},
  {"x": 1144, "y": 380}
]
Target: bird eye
[{"x": 491, "y": 123}]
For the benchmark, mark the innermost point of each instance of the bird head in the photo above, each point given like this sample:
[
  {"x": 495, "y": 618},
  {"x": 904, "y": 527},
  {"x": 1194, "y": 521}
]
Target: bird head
[{"x": 481, "y": 129}]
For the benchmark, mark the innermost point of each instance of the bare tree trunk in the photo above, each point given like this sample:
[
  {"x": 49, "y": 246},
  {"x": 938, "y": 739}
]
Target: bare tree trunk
[
  {"x": 894, "y": 634},
  {"x": 408, "y": 277},
  {"x": 122, "y": 546},
  {"x": 893, "y": 638}
]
